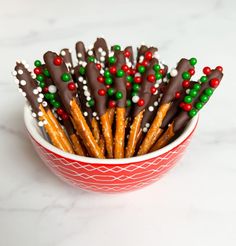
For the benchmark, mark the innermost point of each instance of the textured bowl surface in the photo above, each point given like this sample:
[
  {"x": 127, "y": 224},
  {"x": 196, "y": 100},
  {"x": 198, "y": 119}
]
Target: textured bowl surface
[{"x": 107, "y": 176}]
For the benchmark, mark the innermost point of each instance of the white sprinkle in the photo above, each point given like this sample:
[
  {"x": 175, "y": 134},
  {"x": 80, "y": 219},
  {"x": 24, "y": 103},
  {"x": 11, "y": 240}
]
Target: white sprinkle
[
  {"x": 69, "y": 50},
  {"x": 52, "y": 88},
  {"x": 161, "y": 65},
  {"x": 22, "y": 82},
  {"x": 90, "y": 52},
  {"x": 20, "y": 90},
  {"x": 39, "y": 89},
  {"x": 80, "y": 79},
  {"x": 79, "y": 55},
  {"x": 40, "y": 113},
  {"x": 147, "y": 125},
  {"x": 159, "y": 81},
  {"x": 155, "y": 92},
  {"x": 94, "y": 114},
  {"x": 103, "y": 53},
  {"x": 97, "y": 118},
  {"x": 88, "y": 98},
  {"x": 23, "y": 62},
  {"x": 63, "y": 53},
  {"x": 27, "y": 66},
  {"x": 85, "y": 87},
  {"x": 33, "y": 76},
  {"x": 137, "y": 75},
  {"x": 45, "y": 104},
  {"x": 187, "y": 91},
  {"x": 39, "y": 99},
  {"x": 87, "y": 105},
  {"x": 68, "y": 64},
  {"x": 87, "y": 93},
  {"x": 80, "y": 62},
  {"x": 165, "y": 79},
  {"x": 135, "y": 99},
  {"x": 90, "y": 47},
  {"x": 141, "y": 58},
  {"x": 150, "y": 108},
  {"x": 17, "y": 81},
  {"x": 173, "y": 72},
  {"x": 155, "y": 103},
  {"x": 14, "y": 73},
  {"x": 102, "y": 58},
  {"x": 84, "y": 64},
  {"x": 34, "y": 115},
  {"x": 45, "y": 122},
  {"x": 84, "y": 82},
  {"x": 20, "y": 71},
  {"x": 156, "y": 85},
  {"x": 40, "y": 123},
  {"x": 41, "y": 95},
  {"x": 100, "y": 50},
  {"x": 23, "y": 93},
  {"x": 145, "y": 129},
  {"x": 112, "y": 53},
  {"x": 85, "y": 114}
]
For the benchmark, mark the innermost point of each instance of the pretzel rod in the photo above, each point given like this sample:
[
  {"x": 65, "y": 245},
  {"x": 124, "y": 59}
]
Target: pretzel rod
[
  {"x": 181, "y": 76},
  {"x": 193, "y": 102},
  {"x": 111, "y": 114},
  {"x": 142, "y": 99},
  {"x": 41, "y": 111},
  {"x": 50, "y": 92},
  {"x": 67, "y": 91},
  {"x": 97, "y": 134}
]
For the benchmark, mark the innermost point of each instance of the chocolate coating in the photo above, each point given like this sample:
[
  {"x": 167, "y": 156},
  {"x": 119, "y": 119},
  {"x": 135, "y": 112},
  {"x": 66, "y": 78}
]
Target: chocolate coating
[
  {"x": 94, "y": 86},
  {"x": 175, "y": 83},
  {"x": 31, "y": 84},
  {"x": 144, "y": 92},
  {"x": 143, "y": 49},
  {"x": 183, "y": 118},
  {"x": 100, "y": 43},
  {"x": 120, "y": 82},
  {"x": 80, "y": 49},
  {"x": 56, "y": 72},
  {"x": 66, "y": 55}
]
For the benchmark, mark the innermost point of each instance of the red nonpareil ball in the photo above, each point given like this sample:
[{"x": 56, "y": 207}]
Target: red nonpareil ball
[
  {"x": 37, "y": 71},
  {"x": 206, "y": 70},
  {"x": 153, "y": 90},
  {"x": 57, "y": 61},
  {"x": 219, "y": 68},
  {"x": 161, "y": 71},
  {"x": 137, "y": 79},
  {"x": 132, "y": 71},
  {"x": 148, "y": 55},
  {"x": 214, "y": 82},
  {"x": 191, "y": 71},
  {"x": 108, "y": 86},
  {"x": 145, "y": 63},
  {"x": 71, "y": 86},
  {"x": 45, "y": 89},
  {"x": 60, "y": 111},
  {"x": 187, "y": 107},
  {"x": 140, "y": 102},
  {"x": 65, "y": 116},
  {"x": 177, "y": 95},
  {"x": 182, "y": 104},
  {"x": 101, "y": 92},
  {"x": 128, "y": 85},
  {"x": 100, "y": 79},
  {"x": 127, "y": 54},
  {"x": 125, "y": 68},
  {"x": 111, "y": 104},
  {"x": 112, "y": 70},
  {"x": 151, "y": 78},
  {"x": 98, "y": 66},
  {"x": 186, "y": 83}
]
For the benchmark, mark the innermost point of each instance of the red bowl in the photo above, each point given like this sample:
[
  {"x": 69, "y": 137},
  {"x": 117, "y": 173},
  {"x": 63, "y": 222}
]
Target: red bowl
[{"x": 108, "y": 175}]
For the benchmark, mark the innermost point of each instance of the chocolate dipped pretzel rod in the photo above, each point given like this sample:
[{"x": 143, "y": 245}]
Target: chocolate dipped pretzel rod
[
  {"x": 99, "y": 94},
  {"x": 40, "y": 109},
  {"x": 180, "y": 77},
  {"x": 50, "y": 94},
  {"x": 67, "y": 92},
  {"x": 142, "y": 96},
  {"x": 193, "y": 101}
]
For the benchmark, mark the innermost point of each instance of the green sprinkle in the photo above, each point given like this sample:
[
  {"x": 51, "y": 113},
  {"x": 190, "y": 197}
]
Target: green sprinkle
[
  {"x": 56, "y": 104},
  {"x": 136, "y": 87},
  {"x": 117, "y": 47},
  {"x": 188, "y": 99},
  {"x": 40, "y": 78},
  {"x": 120, "y": 73},
  {"x": 128, "y": 103},
  {"x": 141, "y": 69},
  {"x": 119, "y": 95},
  {"x": 196, "y": 86},
  {"x": 134, "y": 94},
  {"x": 108, "y": 81},
  {"x": 82, "y": 70},
  {"x": 37, "y": 63},
  {"x": 91, "y": 59},
  {"x": 91, "y": 103},
  {"x": 192, "y": 113},
  {"x": 42, "y": 84},
  {"x": 46, "y": 72},
  {"x": 193, "y": 93},
  {"x": 112, "y": 60},
  {"x": 158, "y": 76},
  {"x": 193, "y": 61},
  {"x": 129, "y": 78},
  {"x": 208, "y": 92},
  {"x": 186, "y": 75},
  {"x": 204, "y": 98},
  {"x": 107, "y": 74},
  {"x": 199, "y": 105},
  {"x": 156, "y": 67},
  {"x": 110, "y": 91},
  {"x": 65, "y": 77},
  {"x": 203, "y": 79}
]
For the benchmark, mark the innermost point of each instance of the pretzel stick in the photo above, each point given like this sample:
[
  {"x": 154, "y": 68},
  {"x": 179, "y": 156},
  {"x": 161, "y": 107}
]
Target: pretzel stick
[
  {"x": 97, "y": 134},
  {"x": 111, "y": 114}
]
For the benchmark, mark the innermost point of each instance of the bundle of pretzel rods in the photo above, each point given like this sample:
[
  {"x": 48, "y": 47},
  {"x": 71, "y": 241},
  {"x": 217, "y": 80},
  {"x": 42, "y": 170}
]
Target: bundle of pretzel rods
[{"x": 113, "y": 104}]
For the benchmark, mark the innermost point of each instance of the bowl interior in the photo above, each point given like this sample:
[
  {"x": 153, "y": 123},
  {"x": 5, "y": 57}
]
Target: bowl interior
[{"x": 36, "y": 133}]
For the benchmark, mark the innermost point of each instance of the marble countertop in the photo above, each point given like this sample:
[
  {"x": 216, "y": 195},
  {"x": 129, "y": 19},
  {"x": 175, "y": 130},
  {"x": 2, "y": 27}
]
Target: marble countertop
[{"x": 195, "y": 204}]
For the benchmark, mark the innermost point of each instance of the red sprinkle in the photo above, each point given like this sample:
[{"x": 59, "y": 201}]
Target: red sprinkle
[
  {"x": 214, "y": 82},
  {"x": 57, "y": 61},
  {"x": 151, "y": 78},
  {"x": 219, "y": 68},
  {"x": 128, "y": 85},
  {"x": 60, "y": 111},
  {"x": 148, "y": 55},
  {"x": 37, "y": 70},
  {"x": 101, "y": 92},
  {"x": 125, "y": 68},
  {"x": 71, "y": 86},
  {"x": 45, "y": 89},
  {"x": 145, "y": 63},
  {"x": 206, "y": 70},
  {"x": 182, "y": 104},
  {"x": 111, "y": 104},
  {"x": 140, "y": 102},
  {"x": 137, "y": 79},
  {"x": 153, "y": 90},
  {"x": 177, "y": 95},
  {"x": 100, "y": 79},
  {"x": 65, "y": 116},
  {"x": 98, "y": 66},
  {"x": 186, "y": 83},
  {"x": 161, "y": 71},
  {"x": 112, "y": 70},
  {"x": 127, "y": 54},
  {"x": 191, "y": 71},
  {"x": 187, "y": 107}
]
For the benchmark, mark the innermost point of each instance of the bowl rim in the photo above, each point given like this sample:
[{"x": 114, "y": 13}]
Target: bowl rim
[{"x": 30, "y": 126}]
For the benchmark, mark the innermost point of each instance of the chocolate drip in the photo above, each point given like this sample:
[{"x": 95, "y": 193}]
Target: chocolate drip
[
  {"x": 120, "y": 82},
  {"x": 80, "y": 51},
  {"x": 92, "y": 74},
  {"x": 175, "y": 83},
  {"x": 56, "y": 73},
  {"x": 183, "y": 118},
  {"x": 66, "y": 55},
  {"x": 144, "y": 92},
  {"x": 29, "y": 85}
]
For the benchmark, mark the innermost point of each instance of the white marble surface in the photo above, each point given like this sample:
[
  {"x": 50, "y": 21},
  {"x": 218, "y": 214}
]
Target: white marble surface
[{"x": 195, "y": 204}]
